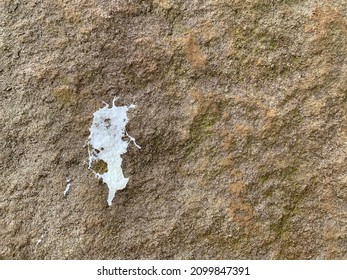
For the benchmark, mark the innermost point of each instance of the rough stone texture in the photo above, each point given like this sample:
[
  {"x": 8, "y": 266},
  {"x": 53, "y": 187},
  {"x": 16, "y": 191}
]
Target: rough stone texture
[{"x": 241, "y": 115}]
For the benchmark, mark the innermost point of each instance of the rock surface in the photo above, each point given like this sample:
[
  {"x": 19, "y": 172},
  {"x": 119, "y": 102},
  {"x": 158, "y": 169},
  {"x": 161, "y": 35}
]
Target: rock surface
[{"x": 241, "y": 115}]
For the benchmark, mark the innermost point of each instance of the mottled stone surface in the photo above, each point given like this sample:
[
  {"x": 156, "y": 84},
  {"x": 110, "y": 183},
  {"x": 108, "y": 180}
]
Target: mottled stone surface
[{"x": 241, "y": 114}]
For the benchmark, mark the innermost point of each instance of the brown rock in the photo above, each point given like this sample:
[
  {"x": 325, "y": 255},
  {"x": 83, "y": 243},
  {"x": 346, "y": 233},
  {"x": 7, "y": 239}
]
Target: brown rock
[{"x": 241, "y": 115}]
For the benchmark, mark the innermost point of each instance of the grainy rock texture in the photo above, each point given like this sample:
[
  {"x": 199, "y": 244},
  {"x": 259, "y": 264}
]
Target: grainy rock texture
[{"x": 241, "y": 115}]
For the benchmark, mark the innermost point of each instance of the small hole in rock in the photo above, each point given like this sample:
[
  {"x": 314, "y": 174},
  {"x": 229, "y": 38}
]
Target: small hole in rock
[{"x": 100, "y": 166}]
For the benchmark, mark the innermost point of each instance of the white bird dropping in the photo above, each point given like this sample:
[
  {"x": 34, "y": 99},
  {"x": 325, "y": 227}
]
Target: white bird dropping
[{"x": 105, "y": 147}]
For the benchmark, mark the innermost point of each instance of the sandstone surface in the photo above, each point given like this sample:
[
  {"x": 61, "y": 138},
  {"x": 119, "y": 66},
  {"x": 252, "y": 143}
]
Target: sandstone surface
[{"x": 241, "y": 115}]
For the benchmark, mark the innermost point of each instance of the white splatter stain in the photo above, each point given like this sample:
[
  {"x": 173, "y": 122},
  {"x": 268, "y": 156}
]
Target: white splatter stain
[{"x": 106, "y": 145}]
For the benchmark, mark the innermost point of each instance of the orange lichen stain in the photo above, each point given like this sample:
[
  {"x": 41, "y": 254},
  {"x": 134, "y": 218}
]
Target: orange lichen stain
[
  {"x": 227, "y": 140},
  {"x": 225, "y": 116},
  {"x": 327, "y": 201},
  {"x": 241, "y": 212},
  {"x": 195, "y": 56},
  {"x": 203, "y": 102},
  {"x": 71, "y": 12},
  {"x": 227, "y": 162},
  {"x": 314, "y": 109},
  {"x": 270, "y": 114},
  {"x": 238, "y": 188},
  {"x": 164, "y": 4},
  {"x": 269, "y": 117},
  {"x": 318, "y": 76},
  {"x": 325, "y": 18},
  {"x": 243, "y": 129},
  {"x": 331, "y": 233}
]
